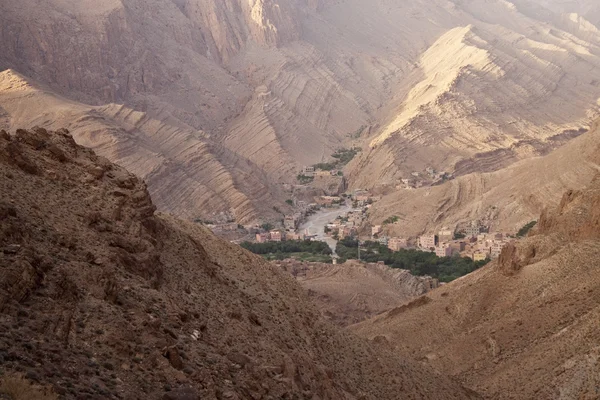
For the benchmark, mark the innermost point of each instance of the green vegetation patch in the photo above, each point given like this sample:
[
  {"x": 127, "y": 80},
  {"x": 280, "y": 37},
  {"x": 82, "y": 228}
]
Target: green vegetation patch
[
  {"x": 344, "y": 156},
  {"x": 325, "y": 166},
  {"x": 525, "y": 229},
  {"x": 304, "y": 179},
  {"x": 419, "y": 263},
  {"x": 391, "y": 220},
  {"x": 267, "y": 226},
  {"x": 341, "y": 158},
  {"x": 289, "y": 247},
  {"x": 356, "y": 134}
]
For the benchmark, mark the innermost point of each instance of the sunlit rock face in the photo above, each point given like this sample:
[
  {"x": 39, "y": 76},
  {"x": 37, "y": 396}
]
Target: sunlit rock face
[{"x": 269, "y": 86}]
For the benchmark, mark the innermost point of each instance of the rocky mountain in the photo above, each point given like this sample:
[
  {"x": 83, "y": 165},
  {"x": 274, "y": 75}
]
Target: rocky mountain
[
  {"x": 507, "y": 199},
  {"x": 589, "y": 9},
  {"x": 489, "y": 93},
  {"x": 523, "y": 327},
  {"x": 259, "y": 88},
  {"x": 352, "y": 292},
  {"x": 188, "y": 173},
  {"x": 102, "y": 298}
]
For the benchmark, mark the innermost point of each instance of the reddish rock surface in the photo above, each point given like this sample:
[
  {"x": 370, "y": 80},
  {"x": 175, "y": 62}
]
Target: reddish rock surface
[{"x": 102, "y": 299}]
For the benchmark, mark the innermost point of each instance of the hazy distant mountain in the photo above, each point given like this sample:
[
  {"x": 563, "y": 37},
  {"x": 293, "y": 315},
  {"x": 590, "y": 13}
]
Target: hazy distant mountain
[{"x": 269, "y": 86}]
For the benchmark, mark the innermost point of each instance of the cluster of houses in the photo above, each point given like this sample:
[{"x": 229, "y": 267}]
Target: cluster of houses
[
  {"x": 278, "y": 235},
  {"x": 363, "y": 198},
  {"x": 328, "y": 201},
  {"x": 392, "y": 243},
  {"x": 312, "y": 172},
  {"x": 291, "y": 223},
  {"x": 477, "y": 244},
  {"x": 429, "y": 177},
  {"x": 347, "y": 226}
]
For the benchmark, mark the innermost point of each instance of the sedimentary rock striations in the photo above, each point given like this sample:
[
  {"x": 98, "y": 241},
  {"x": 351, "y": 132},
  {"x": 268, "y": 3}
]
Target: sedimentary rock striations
[
  {"x": 458, "y": 85},
  {"x": 187, "y": 172},
  {"x": 507, "y": 199}
]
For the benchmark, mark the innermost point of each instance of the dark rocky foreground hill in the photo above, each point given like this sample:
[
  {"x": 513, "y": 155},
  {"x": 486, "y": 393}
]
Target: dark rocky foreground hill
[{"x": 100, "y": 298}]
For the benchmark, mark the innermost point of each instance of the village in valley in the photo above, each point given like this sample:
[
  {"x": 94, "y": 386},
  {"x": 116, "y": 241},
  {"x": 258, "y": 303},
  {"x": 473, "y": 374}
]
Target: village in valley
[
  {"x": 325, "y": 193},
  {"x": 475, "y": 240}
]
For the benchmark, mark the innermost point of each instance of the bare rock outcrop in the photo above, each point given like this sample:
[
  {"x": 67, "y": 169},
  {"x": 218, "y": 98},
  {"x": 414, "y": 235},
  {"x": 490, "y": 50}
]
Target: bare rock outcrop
[
  {"x": 187, "y": 173},
  {"x": 507, "y": 199}
]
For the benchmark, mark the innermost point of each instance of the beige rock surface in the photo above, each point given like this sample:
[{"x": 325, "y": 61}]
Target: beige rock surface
[
  {"x": 508, "y": 198},
  {"x": 466, "y": 85},
  {"x": 487, "y": 96},
  {"x": 187, "y": 173}
]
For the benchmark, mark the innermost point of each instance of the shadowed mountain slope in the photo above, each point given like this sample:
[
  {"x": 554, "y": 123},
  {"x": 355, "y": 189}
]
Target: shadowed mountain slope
[{"x": 101, "y": 298}]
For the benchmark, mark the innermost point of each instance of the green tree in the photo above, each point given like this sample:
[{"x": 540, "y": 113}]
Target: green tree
[
  {"x": 417, "y": 262},
  {"x": 391, "y": 220},
  {"x": 525, "y": 229},
  {"x": 267, "y": 226}
]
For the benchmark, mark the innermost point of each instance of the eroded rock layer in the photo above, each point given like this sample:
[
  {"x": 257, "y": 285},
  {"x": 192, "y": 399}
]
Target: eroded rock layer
[
  {"x": 462, "y": 86},
  {"x": 187, "y": 172},
  {"x": 506, "y": 199}
]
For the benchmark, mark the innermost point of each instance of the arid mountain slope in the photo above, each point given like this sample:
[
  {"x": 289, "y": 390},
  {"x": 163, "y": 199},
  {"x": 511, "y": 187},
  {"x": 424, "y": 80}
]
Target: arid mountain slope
[
  {"x": 526, "y": 325},
  {"x": 352, "y": 292},
  {"x": 507, "y": 199},
  {"x": 491, "y": 89},
  {"x": 186, "y": 171},
  {"x": 278, "y": 84},
  {"x": 589, "y": 9},
  {"x": 103, "y": 299}
]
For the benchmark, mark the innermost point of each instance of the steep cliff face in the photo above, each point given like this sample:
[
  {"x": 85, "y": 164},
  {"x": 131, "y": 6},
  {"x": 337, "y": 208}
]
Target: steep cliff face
[
  {"x": 524, "y": 326},
  {"x": 101, "y": 298},
  {"x": 487, "y": 97},
  {"x": 228, "y": 26},
  {"x": 121, "y": 50}
]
